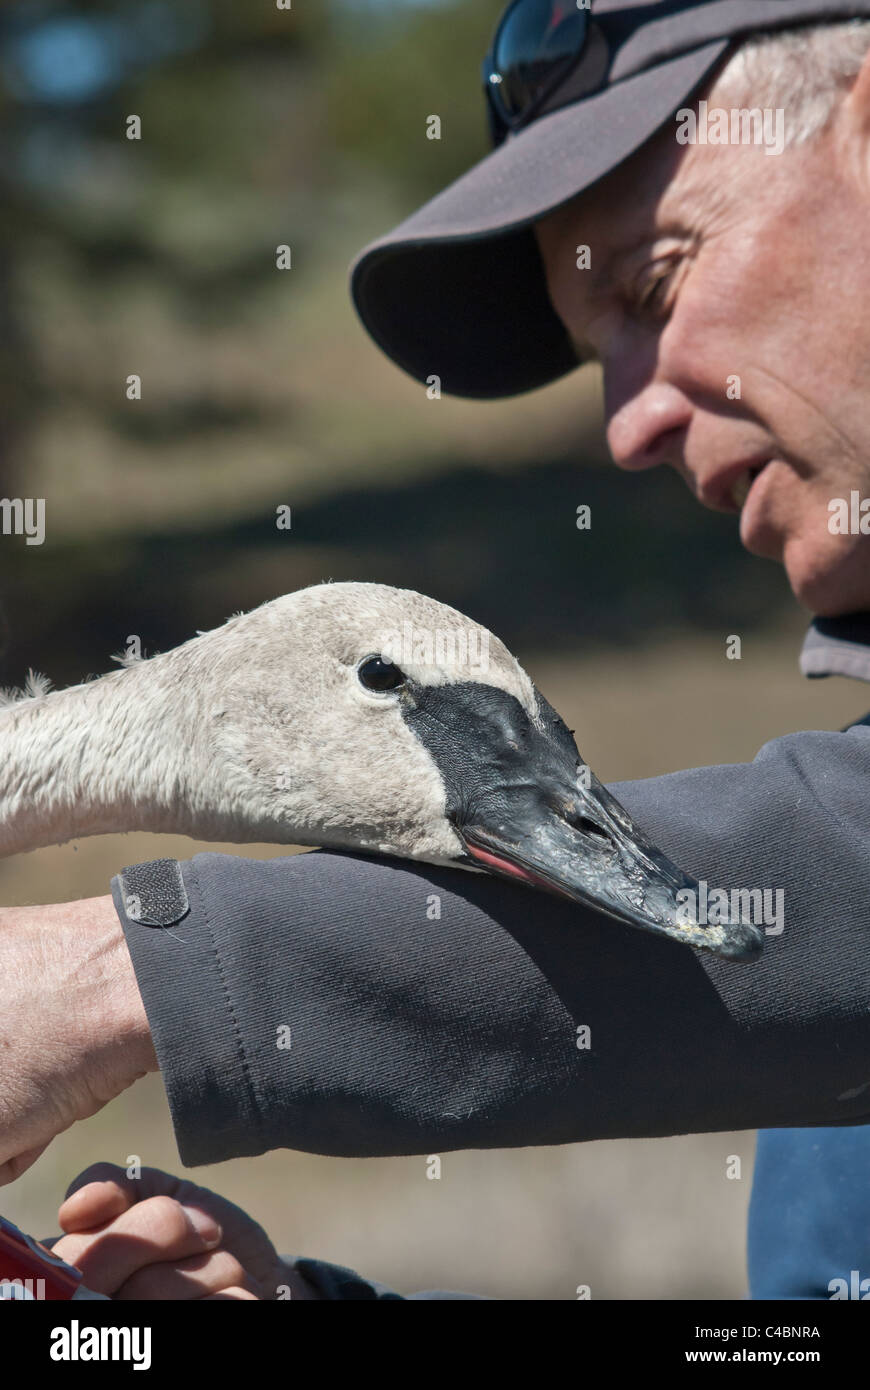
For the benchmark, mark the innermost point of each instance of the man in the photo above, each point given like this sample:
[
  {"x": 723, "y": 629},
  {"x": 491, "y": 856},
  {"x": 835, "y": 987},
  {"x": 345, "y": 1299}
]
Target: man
[{"x": 723, "y": 290}]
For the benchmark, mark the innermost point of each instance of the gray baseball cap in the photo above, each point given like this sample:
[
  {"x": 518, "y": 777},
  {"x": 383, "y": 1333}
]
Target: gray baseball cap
[{"x": 458, "y": 290}]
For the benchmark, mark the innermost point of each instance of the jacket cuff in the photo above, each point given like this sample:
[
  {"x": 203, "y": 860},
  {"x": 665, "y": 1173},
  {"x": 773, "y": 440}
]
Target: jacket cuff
[{"x": 179, "y": 974}]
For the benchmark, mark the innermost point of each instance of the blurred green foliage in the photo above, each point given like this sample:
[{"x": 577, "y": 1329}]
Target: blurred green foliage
[{"x": 382, "y": 87}]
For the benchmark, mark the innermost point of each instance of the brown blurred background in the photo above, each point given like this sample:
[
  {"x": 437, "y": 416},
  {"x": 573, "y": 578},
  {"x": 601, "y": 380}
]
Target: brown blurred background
[{"x": 306, "y": 127}]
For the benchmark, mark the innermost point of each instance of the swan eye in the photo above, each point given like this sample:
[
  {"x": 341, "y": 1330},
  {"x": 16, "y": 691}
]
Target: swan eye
[{"x": 380, "y": 675}]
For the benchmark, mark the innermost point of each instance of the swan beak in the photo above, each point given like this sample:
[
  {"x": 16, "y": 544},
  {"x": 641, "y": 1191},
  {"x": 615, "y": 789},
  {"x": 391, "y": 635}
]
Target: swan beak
[
  {"x": 578, "y": 841},
  {"x": 526, "y": 807}
]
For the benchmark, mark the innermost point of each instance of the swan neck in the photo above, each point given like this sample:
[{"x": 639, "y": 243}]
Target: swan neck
[{"x": 82, "y": 762}]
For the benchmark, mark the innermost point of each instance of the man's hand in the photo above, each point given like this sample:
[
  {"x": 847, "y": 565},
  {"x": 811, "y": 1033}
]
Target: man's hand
[
  {"x": 161, "y": 1237},
  {"x": 73, "y": 1030}
]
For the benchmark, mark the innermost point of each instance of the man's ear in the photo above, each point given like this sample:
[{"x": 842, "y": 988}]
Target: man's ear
[
  {"x": 858, "y": 101},
  {"x": 851, "y": 129}
]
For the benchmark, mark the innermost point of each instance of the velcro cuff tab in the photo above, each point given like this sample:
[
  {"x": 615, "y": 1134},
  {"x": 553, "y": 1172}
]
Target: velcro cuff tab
[{"x": 154, "y": 893}]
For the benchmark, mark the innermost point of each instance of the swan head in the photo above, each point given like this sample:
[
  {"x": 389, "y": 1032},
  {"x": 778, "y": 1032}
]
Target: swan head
[{"x": 366, "y": 717}]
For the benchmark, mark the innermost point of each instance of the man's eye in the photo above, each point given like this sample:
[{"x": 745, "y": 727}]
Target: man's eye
[{"x": 654, "y": 296}]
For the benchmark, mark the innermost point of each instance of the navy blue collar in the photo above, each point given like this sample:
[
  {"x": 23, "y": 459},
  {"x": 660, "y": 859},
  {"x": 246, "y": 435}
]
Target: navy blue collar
[{"x": 838, "y": 647}]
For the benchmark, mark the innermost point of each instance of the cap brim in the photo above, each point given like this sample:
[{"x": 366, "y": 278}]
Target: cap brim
[{"x": 457, "y": 291}]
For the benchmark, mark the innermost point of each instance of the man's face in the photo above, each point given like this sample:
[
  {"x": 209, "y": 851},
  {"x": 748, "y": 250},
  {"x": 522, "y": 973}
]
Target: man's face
[{"x": 728, "y": 301}]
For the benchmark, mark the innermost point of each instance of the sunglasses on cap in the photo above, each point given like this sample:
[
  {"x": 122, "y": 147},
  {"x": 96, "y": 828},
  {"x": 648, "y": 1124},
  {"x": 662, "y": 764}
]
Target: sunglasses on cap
[{"x": 546, "y": 54}]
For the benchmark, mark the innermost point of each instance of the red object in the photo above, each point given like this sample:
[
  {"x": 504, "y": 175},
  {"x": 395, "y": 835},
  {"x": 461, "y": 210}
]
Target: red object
[{"x": 42, "y": 1274}]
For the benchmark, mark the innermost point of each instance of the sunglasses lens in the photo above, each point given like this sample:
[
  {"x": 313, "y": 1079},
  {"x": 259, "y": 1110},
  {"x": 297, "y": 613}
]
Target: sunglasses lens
[{"x": 537, "y": 40}]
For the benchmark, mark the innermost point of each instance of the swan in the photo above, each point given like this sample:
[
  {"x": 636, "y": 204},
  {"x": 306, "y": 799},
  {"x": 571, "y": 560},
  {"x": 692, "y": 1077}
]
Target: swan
[{"x": 347, "y": 715}]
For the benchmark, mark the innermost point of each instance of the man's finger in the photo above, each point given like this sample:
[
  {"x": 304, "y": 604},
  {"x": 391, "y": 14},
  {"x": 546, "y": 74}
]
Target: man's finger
[
  {"x": 196, "y": 1277},
  {"x": 152, "y": 1182},
  {"x": 93, "y": 1205},
  {"x": 103, "y": 1190},
  {"x": 152, "y": 1231}
]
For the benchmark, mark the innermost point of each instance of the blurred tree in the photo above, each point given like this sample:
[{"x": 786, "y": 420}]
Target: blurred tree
[
  {"x": 385, "y": 79},
  {"x": 249, "y": 115},
  {"x": 263, "y": 126}
]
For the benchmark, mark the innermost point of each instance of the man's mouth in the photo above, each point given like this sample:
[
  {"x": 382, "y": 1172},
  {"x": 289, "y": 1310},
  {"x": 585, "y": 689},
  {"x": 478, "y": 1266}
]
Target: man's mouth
[
  {"x": 741, "y": 488},
  {"x": 727, "y": 488}
]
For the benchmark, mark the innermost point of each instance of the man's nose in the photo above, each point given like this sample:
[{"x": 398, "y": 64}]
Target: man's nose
[{"x": 646, "y": 427}]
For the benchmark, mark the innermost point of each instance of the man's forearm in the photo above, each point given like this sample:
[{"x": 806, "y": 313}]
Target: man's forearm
[
  {"x": 105, "y": 994},
  {"x": 73, "y": 1030},
  {"x": 347, "y": 1005}
]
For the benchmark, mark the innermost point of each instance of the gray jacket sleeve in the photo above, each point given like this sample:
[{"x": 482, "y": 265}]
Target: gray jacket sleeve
[{"x": 348, "y": 1005}]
